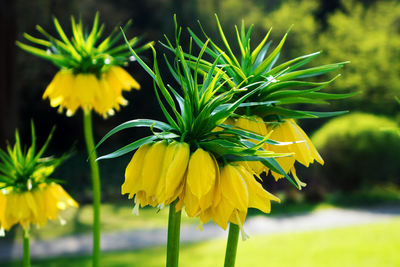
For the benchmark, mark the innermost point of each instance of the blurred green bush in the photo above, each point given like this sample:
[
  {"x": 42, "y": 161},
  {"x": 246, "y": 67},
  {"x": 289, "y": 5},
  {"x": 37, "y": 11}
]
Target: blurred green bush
[{"x": 359, "y": 152}]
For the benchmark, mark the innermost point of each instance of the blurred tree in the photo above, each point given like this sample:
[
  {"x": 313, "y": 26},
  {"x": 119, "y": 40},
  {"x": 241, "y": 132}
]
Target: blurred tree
[
  {"x": 301, "y": 39},
  {"x": 368, "y": 36},
  {"x": 359, "y": 151}
]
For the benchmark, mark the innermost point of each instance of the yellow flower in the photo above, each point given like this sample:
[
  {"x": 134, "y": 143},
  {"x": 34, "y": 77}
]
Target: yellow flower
[
  {"x": 156, "y": 173},
  {"x": 287, "y": 131},
  {"x": 201, "y": 187},
  {"x": 33, "y": 207},
  {"x": 305, "y": 151},
  {"x": 87, "y": 91},
  {"x": 239, "y": 191}
]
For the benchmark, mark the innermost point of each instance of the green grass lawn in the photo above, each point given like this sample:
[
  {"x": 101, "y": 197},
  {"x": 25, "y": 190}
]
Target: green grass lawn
[{"x": 368, "y": 245}]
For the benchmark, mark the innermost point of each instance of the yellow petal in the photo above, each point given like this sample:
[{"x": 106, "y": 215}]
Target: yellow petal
[
  {"x": 85, "y": 89},
  {"x": 125, "y": 78},
  {"x": 175, "y": 165},
  {"x": 222, "y": 213},
  {"x": 31, "y": 203},
  {"x": 301, "y": 150},
  {"x": 133, "y": 178},
  {"x": 258, "y": 197},
  {"x": 152, "y": 166},
  {"x": 60, "y": 88},
  {"x": 201, "y": 173},
  {"x": 105, "y": 99},
  {"x": 63, "y": 196},
  {"x": 314, "y": 153},
  {"x": 41, "y": 218},
  {"x": 233, "y": 187},
  {"x": 192, "y": 205},
  {"x": 53, "y": 84}
]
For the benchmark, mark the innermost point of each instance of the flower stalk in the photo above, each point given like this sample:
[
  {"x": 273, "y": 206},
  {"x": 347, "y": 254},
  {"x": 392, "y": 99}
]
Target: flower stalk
[
  {"x": 26, "y": 257},
  {"x": 96, "y": 187},
  {"x": 231, "y": 245},
  {"x": 174, "y": 227}
]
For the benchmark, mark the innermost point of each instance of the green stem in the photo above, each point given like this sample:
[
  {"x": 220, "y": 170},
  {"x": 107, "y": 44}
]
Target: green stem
[
  {"x": 94, "y": 168},
  {"x": 174, "y": 228},
  {"x": 26, "y": 258},
  {"x": 231, "y": 246}
]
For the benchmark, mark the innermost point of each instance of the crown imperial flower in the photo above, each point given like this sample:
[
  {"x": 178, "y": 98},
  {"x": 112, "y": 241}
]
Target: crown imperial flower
[
  {"x": 27, "y": 193},
  {"x": 90, "y": 75}
]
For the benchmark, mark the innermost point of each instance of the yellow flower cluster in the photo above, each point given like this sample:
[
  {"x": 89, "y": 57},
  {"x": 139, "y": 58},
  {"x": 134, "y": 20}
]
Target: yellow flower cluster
[
  {"x": 160, "y": 173},
  {"x": 36, "y": 206},
  {"x": 87, "y": 91},
  {"x": 286, "y": 131}
]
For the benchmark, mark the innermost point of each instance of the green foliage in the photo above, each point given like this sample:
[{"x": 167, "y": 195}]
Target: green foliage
[
  {"x": 358, "y": 151},
  {"x": 284, "y": 84},
  {"x": 84, "y": 52},
  {"x": 305, "y": 26},
  {"x": 372, "y": 44}
]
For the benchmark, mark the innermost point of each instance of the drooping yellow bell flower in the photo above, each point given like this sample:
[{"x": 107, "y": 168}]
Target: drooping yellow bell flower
[
  {"x": 90, "y": 75},
  {"x": 156, "y": 173},
  {"x": 305, "y": 151},
  {"x": 103, "y": 94},
  {"x": 36, "y": 206},
  {"x": 287, "y": 131},
  {"x": 201, "y": 190},
  {"x": 239, "y": 191}
]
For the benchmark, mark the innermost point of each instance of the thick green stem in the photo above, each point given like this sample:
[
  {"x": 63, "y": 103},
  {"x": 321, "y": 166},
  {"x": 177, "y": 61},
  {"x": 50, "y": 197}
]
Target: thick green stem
[
  {"x": 174, "y": 228},
  {"x": 26, "y": 257},
  {"x": 96, "y": 188},
  {"x": 231, "y": 246}
]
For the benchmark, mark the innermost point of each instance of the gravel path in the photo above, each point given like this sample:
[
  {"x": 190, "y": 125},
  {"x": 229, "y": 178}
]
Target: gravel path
[{"x": 136, "y": 239}]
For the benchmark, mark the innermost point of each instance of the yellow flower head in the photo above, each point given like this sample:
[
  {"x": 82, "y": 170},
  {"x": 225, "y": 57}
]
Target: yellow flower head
[
  {"x": 304, "y": 150},
  {"x": 286, "y": 132},
  {"x": 33, "y": 207},
  {"x": 90, "y": 77},
  {"x": 27, "y": 193},
  {"x": 102, "y": 94},
  {"x": 239, "y": 191}
]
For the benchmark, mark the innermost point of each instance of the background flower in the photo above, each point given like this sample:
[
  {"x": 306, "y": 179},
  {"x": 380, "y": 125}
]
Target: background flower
[
  {"x": 28, "y": 193},
  {"x": 90, "y": 77}
]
